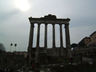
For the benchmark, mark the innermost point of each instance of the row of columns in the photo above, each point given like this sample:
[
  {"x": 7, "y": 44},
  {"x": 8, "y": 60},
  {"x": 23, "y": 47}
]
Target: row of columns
[
  {"x": 45, "y": 37},
  {"x": 67, "y": 37}
]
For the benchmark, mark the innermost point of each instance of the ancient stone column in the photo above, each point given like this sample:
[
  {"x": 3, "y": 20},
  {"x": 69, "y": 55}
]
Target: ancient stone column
[
  {"x": 37, "y": 46},
  {"x": 54, "y": 47},
  {"x": 67, "y": 39},
  {"x": 30, "y": 41},
  {"x": 61, "y": 40},
  {"x": 45, "y": 41},
  {"x": 53, "y": 35}
]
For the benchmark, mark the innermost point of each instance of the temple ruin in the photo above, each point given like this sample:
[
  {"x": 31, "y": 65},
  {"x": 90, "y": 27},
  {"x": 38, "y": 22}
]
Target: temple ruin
[{"x": 35, "y": 53}]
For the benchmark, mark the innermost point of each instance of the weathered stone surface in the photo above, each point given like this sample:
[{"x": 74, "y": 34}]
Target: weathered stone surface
[{"x": 54, "y": 51}]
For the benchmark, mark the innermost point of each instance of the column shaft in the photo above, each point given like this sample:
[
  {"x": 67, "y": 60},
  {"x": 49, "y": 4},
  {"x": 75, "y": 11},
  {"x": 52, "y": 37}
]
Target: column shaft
[
  {"x": 37, "y": 46},
  {"x": 54, "y": 47},
  {"x": 61, "y": 40},
  {"x": 53, "y": 35},
  {"x": 61, "y": 37},
  {"x": 45, "y": 42},
  {"x": 67, "y": 35},
  {"x": 38, "y": 35},
  {"x": 30, "y": 41}
]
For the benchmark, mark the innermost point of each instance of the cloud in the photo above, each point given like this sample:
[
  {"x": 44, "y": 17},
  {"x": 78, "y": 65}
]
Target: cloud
[{"x": 14, "y": 25}]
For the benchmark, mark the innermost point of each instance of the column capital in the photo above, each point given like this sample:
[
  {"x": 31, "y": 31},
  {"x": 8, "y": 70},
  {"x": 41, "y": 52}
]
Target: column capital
[
  {"x": 46, "y": 24},
  {"x": 39, "y": 23},
  {"x": 59, "y": 24},
  {"x": 53, "y": 26},
  {"x": 66, "y": 25},
  {"x": 53, "y": 23},
  {"x": 32, "y": 24}
]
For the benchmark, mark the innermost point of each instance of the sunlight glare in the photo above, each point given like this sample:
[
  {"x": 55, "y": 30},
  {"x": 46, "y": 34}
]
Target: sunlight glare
[{"x": 23, "y": 5}]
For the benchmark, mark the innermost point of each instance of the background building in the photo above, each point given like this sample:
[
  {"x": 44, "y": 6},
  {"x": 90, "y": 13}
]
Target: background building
[{"x": 88, "y": 41}]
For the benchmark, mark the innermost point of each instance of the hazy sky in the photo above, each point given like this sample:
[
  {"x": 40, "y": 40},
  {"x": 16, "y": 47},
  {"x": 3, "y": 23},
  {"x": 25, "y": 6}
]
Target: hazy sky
[{"x": 14, "y": 23}]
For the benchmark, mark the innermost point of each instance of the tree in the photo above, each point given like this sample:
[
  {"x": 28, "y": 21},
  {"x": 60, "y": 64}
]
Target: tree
[{"x": 2, "y": 48}]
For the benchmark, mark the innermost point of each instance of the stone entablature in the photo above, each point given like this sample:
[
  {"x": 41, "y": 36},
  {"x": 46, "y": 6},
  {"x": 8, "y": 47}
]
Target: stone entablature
[{"x": 50, "y": 19}]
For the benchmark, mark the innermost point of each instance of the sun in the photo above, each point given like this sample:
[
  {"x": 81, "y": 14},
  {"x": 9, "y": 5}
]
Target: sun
[{"x": 23, "y": 5}]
